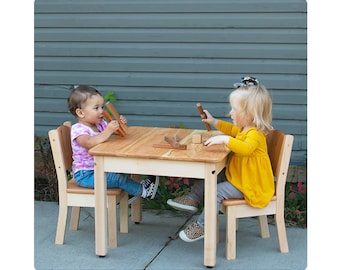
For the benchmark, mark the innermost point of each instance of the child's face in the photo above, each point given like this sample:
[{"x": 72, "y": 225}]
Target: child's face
[
  {"x": 237, "y": 114},
  {"x": 91, "y": 111}
]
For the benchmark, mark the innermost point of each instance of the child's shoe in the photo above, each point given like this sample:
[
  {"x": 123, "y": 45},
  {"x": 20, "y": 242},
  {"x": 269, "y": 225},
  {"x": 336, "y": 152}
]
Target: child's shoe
[
  {"x": 184, "y": 203},
  {"x": 192, "y": 233},
  {"x": 150, "y": 186}
]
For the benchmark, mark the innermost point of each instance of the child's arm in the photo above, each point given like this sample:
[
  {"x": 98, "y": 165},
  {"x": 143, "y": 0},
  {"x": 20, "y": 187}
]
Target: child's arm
[
  {"x": 210, "y": 119},
  {"x": 247, "y": 146},
  {"x": 219, "y": 139},
  {"x": 88, "y": 141},
  {"x": 226, "y": 127},
  {"x": 244, "y": 147}
]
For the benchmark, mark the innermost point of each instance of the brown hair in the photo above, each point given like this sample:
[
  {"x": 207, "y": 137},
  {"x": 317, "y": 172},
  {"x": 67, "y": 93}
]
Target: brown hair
[{"x": 78, "y": 97}]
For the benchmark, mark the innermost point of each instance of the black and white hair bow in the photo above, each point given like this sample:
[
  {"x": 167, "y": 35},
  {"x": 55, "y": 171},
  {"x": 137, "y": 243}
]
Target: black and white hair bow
[{"x": 247, "y": 81}]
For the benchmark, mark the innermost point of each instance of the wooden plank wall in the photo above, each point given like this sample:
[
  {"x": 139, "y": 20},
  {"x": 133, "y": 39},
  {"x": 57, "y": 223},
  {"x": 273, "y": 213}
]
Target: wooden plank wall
[{"x": 161, "y": 57}]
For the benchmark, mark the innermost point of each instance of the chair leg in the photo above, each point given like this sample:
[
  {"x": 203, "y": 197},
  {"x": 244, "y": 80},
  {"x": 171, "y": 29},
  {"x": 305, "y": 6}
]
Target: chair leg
[
  {"x": 124, "y": 213},
  {"x": 136, "y": 206},
  {"x": 281, "y": 233},
  {"x": 75, "y": 214},
  {"x": 264, "y": 229},
  {"x": 112, "y": 220},
  {"x": 231, "y": 233},
  {"x": 61, "y": 225}
]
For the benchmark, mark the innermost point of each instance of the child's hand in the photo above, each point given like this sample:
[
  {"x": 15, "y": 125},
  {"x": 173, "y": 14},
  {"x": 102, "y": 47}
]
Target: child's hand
[
  {"x": 123, "y": 119},
  {"x": 113, "y": 126},
  {"x": 210, "y": 119},
  {"x": 220, "y": 139}
]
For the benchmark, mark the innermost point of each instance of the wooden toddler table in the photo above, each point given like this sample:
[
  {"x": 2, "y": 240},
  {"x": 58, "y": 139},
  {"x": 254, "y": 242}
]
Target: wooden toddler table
[{"x": 135, "y": 154}]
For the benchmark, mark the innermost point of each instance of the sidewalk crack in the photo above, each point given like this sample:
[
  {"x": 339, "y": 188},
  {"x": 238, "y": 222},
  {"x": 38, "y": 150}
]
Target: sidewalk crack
[{"x": 171, "y": 238}]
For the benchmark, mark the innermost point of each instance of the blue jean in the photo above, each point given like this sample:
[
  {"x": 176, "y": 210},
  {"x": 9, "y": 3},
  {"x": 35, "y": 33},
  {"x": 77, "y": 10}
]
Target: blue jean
[{"x": 85, "y": 178}]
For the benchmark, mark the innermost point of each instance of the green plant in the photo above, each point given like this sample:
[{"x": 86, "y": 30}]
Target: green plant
[
  {"x": 45, "y": 179},
  {"x": 169, "y": 188},
  {"x": 109, "y": 96},
  {"x": 296, "y": 204}
]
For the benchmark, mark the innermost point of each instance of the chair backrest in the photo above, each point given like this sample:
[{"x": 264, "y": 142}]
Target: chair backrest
[
  {"x": 60, "y": 140},
  {"x": 279, "y": 150}
]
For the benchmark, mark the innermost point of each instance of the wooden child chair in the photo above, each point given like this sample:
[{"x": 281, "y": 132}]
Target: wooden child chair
[
  {"x": 279, "y": 150},
  {"x": 70, "y": 194}
]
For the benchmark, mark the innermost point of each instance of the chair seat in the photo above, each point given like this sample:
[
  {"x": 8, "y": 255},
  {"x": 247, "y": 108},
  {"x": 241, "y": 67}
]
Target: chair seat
[
  {"x": 72, "y": 187},
  {"x": 231, "y": 202}
]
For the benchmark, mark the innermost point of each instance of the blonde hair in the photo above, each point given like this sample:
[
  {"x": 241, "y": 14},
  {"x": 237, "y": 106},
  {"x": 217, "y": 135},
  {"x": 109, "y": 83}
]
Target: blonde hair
[{"x": 256, "y": 103}]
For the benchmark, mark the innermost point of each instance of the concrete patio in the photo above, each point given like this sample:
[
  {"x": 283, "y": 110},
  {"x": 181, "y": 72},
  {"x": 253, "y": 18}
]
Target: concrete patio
[{"x": 152, "y": 244}]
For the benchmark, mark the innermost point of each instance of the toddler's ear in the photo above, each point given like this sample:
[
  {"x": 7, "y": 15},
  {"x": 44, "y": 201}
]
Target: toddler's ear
[{"x": 79, "y": 113}]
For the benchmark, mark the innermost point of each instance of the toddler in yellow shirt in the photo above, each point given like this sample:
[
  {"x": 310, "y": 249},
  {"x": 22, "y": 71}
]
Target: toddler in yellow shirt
[{"x": 248, "y": 173}]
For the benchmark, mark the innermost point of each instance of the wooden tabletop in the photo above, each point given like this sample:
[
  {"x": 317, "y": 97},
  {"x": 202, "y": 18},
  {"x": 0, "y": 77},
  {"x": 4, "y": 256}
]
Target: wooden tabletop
[{"x": 139, "y": 141}]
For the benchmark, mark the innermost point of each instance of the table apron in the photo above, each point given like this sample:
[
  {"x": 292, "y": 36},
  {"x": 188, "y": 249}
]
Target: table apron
[{"x": 161, "y": 167}]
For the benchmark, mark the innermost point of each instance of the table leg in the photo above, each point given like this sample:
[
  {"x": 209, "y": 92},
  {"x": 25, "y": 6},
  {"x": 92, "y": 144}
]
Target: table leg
[
  {"x": 210, "y": 221},
  {"x": 100, "y": 207}
]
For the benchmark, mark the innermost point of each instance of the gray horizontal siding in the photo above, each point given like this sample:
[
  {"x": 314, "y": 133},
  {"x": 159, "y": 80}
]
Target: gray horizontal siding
[
  {"x": 181, "y": 20},
  {"x": 232, "y": 50},
  {"x": 153, "y": 79},
  {"x": 161, "y": 57},
  {"x": 174, "y": 64},
  {"x": 177, "y": 108},
  {"x": 210, "y": 35},
  {"x": 166, "y": 6},
  {"x": 279, "y": 96}
]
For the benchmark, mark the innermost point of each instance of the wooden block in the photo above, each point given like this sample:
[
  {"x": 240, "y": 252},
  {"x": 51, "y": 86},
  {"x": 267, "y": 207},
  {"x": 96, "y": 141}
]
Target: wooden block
[
  {"x": 196, "y": 138},
  {"x": 203, "y": 115},
  {"x": 109, "y": 119},
  {"x": 113, "y": 111}
]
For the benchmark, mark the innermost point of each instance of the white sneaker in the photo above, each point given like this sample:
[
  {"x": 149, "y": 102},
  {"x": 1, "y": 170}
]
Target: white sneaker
[
  {"x": 192, "y": 233},
  {"x": 150, "y": 186},
  {"x": 184, "y": 203}
]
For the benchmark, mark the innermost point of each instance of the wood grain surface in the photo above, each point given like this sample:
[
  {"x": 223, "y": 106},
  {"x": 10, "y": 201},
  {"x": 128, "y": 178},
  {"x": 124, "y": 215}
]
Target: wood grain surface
[{"x": 139, "y": 141}]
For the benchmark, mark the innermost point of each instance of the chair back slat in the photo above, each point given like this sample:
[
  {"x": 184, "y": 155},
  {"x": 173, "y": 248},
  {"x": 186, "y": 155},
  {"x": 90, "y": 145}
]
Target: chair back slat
[
  {"x": 279, "y": 150},
  {"x": 60, "y": 140},
  {"x": 275, "y": 143},
  {"x": 64, "y": 133}
]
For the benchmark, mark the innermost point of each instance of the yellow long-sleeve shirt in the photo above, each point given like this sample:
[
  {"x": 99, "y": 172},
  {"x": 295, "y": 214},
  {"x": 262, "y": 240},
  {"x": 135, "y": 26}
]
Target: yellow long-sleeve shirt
[{"x": 249, "y": 168}]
